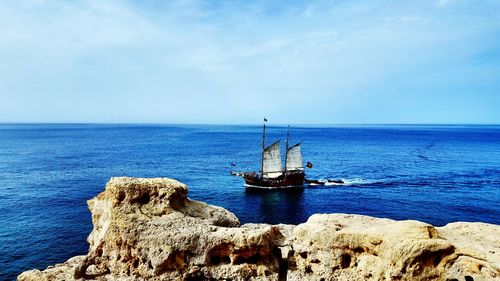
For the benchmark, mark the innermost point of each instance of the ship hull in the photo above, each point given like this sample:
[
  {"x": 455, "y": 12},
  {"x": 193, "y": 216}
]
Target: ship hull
[{"x": 291, "y": 180}]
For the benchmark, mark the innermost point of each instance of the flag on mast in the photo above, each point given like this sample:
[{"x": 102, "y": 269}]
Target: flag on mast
[{"x": 265, "y": 120}]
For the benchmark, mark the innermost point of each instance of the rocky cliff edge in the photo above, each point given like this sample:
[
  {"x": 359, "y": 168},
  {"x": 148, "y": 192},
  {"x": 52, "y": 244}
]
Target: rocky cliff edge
[{"x": 148, "y": 229}]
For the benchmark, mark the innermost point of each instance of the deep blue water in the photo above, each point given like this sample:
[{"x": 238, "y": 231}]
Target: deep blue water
[{"x": 436, "y": 174}]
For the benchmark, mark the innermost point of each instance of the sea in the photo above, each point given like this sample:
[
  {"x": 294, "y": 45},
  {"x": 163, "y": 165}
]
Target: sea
[{"x": 433, "y": 173}]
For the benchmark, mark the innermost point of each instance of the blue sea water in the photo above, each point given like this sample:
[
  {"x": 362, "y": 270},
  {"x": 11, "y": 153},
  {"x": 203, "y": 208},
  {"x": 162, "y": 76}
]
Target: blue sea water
[{"x": 436, "y": 174}]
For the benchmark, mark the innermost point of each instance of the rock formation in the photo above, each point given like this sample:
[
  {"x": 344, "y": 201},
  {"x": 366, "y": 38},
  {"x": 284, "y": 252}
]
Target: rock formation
[{"x": 147, "y": 229}]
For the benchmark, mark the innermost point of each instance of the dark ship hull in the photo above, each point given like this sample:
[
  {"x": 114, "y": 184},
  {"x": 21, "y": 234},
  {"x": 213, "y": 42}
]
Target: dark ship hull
[{"x": 291, "y": 179}]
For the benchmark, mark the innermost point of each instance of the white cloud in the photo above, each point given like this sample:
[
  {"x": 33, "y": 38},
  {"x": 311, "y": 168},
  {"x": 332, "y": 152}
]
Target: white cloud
[{"x": 209, "y": 61}]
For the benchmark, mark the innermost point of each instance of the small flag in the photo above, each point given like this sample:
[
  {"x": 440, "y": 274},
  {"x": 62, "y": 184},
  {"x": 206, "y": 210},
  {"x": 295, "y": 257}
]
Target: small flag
[
  {"x": 265, "y": 120},
  {"x": 309, "y": 165}
]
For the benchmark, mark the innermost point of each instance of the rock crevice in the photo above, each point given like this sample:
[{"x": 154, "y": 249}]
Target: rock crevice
[{"x": 148, "y": 229}]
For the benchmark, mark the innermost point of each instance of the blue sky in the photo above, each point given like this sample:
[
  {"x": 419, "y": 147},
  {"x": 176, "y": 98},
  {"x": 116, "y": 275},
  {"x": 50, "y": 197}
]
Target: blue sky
[{"x": 295, "y": 62}]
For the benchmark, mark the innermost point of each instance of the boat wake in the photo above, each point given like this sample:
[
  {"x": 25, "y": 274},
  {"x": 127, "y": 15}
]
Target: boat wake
[
  {"x": 341, "y": 182},
  {"x": 353, "y": 181}
]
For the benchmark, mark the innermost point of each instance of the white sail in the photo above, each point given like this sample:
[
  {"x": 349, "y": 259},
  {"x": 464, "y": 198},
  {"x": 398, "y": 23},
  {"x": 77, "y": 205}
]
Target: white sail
[
  {"x": 294, "y": 158},
  {"x": 272, "y": 161}
]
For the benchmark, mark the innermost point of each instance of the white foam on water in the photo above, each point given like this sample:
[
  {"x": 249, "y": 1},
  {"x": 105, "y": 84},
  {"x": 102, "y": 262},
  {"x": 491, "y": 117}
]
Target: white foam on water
[
  {"x": 357, "y": 181},
  {"x": 346, "y": 182}
]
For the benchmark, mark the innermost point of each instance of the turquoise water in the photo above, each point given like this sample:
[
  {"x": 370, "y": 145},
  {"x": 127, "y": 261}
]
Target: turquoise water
[{"x": 436, "y": 174}]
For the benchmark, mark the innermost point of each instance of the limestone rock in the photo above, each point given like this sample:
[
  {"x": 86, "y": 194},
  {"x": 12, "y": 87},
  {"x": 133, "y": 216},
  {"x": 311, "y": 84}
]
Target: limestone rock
[
  {"x": 62, "y": 271},
  {"x": 148, "y": 229},
  {"x": 355, "y": 247}
]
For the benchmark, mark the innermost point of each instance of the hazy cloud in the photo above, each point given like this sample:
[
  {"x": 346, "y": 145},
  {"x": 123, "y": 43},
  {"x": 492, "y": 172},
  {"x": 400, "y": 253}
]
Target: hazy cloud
[{"x": 204, "y": 61}]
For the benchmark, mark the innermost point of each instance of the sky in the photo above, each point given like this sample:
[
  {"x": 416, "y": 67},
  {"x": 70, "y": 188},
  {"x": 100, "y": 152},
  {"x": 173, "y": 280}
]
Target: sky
[{"x": 234, "y": 62}]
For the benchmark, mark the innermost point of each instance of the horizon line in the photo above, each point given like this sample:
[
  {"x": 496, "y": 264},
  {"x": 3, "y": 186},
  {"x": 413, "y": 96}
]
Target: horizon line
[{"x": 249, "y": 124}]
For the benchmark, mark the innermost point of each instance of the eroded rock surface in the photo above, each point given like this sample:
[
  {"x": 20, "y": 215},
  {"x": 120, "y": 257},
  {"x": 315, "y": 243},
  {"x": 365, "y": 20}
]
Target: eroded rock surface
[
  {"x": 147, "y": 229},
  {"x": 355, "y": 247}
]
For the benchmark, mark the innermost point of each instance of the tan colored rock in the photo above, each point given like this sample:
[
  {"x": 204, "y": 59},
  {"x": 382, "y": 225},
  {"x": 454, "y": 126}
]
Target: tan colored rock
[
  {"x": 62, "y": 271},
  {"x": 147, "y": 229},
  {"x": 355, "y": 247}
]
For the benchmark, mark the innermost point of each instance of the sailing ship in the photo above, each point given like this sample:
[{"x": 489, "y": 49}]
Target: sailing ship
[{"x": 272, "y": 175}]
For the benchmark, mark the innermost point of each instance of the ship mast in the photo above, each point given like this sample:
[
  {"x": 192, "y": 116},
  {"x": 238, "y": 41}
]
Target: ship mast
[
  {"x": 263, "y": 147},
  {"x": 286, "y": 149}
]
